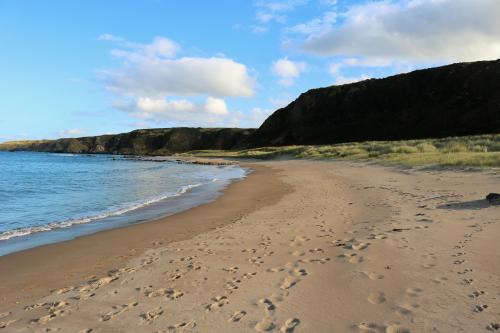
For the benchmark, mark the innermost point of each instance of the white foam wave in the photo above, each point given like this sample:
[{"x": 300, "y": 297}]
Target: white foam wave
[{"x": 58, "y": 225}]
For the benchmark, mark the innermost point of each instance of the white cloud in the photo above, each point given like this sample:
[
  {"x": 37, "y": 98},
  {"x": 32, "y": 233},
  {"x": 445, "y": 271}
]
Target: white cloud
[
  {"x": 110, "y": 37},
  {"x": 183, "y": 76},
  {"x": 149, "y": 70},
  {"x": 176, "y": 111},
  {"x": 153, "y": 84},
  {"x": 268, "y": 11},
  {"x": 72, "y": 132},
  {"x": 414, "y": 31},
  {"x": 288, "y": 70},
  {"x": 316, "y": 25}
]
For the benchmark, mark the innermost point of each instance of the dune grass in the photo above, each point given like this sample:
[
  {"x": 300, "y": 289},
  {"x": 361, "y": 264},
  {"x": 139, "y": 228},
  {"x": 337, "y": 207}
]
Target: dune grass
[{"x": 480, "y": 151}]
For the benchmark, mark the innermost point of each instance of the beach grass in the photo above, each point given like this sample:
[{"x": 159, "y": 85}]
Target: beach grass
[{"x": 479, "y": 151}]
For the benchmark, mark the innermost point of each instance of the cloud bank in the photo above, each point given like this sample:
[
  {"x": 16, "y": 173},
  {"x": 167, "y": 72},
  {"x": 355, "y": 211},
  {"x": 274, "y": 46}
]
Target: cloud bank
[
  {"x": 154, "y": 83},
  {"x": 413, "y": 31}
]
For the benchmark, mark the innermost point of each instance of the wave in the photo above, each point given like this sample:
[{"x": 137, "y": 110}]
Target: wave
[{"x": 68, "y": 223}]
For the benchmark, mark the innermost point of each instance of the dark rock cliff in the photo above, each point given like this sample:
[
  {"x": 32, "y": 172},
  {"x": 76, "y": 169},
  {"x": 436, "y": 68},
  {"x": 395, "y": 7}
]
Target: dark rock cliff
[
  {"x": 160, "y": 141},
  {"x": 454, "y": 100}
]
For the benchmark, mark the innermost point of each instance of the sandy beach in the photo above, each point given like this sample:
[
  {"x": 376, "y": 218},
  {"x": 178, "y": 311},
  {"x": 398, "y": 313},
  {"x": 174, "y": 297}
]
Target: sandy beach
[{"x": 298, "y": 246}]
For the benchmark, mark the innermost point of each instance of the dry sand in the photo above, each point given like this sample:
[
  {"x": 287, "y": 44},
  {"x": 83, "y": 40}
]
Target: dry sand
[{"x": 330, "y": 247}]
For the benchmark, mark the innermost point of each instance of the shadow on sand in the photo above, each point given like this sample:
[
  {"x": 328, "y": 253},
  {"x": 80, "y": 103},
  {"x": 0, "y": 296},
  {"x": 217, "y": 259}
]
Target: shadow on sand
[{"x": 467, "y": 205}]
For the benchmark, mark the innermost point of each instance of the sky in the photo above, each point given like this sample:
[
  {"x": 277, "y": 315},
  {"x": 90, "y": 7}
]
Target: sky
[{"x": 80, "y": 68}]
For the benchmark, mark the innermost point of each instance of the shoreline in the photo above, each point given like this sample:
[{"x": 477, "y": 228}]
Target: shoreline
[
  {"x": 137, "y": 210},
  {"x": 29, "y": 274}
]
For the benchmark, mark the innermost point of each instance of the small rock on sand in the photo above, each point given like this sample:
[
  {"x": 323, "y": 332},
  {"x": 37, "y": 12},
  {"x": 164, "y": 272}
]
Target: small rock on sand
[{"x": 493, "y": 198}]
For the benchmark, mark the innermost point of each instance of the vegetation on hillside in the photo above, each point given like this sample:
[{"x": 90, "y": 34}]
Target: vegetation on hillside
[
  {"x": 10, "y": 145},
  {"x": 468, "y": 151}
]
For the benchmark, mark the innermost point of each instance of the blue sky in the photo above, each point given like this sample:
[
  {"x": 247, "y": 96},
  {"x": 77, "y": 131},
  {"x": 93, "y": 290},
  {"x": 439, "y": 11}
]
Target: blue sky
[{"x": 76, "y": 68}]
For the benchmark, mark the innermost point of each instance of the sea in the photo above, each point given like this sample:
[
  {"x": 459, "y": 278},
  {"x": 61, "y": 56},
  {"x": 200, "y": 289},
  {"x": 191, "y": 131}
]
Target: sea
[{"x": 47, "y": 198}]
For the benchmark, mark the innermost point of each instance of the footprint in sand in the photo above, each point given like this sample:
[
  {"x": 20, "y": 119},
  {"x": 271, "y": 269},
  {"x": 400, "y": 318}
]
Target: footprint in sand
[
  {"x": 441, "y": 279},
  {"x": 480, "y": 307},
  {"x": 98, "y": 283},
  {"x": 290, "y": 325},
  {"x": 232, "y": 285},
  {"x": 380, "y": 328},
  {"x": 269, "y": 306},
  {"x": 218, "y": 302},
  {"x": 289, "y": 282},
  {"x": 275, "y": 269},
  {"x": 236, "y": 317},
  {"x": 376, "y": 298},
  {"x": 493, "y": 327},
  {"x": 466, "y": 282},
  {"x": 465, "y": 271},
  {"x": 256, "y": 261},
  {"x": 230, "y": 269},
  {"x": 7, "y": 323},
  {"x": 405, "y": 309},
  {"x": 377, "y": 236},
  {"x": 178, "y": 328},
  {"x": 352, "y": 257},
  {"x": 265, "y": 325},
  {"x": 34, "y": 306},
  {"x": 476, "y": 294},
  {"x": 249, "y": 275},
  {"x": 413, "y": 292},
  {"x": 299, "y": 240},
  {"x": 370, "y": 328},
  {"x": 64, "y": 290},
  {"x": 299, "y": 272},
  {"x": 168, "y": 292},
  {"x": 315, "y": 261},
  {"x": 117, "y": 309},
  {"x": 55, "y": 309},
  {"x": 359, "y": 246},
  {"x": 148, "y": 317}
]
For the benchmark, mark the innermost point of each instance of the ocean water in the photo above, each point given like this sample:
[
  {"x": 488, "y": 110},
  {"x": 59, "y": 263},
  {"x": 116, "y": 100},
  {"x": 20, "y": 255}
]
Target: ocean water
[{"x": 47, "y": 198}]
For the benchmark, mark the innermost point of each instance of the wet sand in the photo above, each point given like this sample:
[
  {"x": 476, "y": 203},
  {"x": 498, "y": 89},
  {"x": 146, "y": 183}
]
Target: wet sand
[{"x": 300, "y": 246}]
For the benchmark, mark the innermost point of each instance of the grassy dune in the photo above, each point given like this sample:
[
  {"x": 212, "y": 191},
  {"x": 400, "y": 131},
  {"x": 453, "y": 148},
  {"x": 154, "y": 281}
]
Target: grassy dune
[{"x": 469, "y": 151}]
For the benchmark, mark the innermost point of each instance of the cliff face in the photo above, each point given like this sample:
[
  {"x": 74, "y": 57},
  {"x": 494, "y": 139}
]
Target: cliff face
[
  {"x": 454, "y": 100},
  {"x": 161, "y": 141}
]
